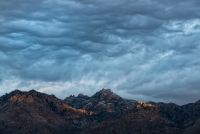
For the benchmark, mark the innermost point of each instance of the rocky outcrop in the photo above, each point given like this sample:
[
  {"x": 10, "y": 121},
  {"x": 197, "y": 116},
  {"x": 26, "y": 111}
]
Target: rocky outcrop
[{"x": 103, "y": 101}]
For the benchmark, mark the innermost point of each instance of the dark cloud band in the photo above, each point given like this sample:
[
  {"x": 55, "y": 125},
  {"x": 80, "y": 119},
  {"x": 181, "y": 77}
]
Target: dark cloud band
[{"x": 145, "y": 48}]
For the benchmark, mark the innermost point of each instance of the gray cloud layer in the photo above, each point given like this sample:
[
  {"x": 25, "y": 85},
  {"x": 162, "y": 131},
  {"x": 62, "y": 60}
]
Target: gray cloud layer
[{"x": 142, "y": 49}]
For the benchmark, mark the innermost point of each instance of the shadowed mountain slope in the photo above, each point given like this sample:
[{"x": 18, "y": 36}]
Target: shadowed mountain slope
[{"x": 30, "y": 112}]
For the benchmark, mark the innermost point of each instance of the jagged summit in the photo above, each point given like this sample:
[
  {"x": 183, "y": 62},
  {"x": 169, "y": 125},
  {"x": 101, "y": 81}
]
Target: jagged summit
[
  {"x": 32, "y": 91},
  {"x": 101, "y": 101},
  {"x": 105, "y": 91},
  {"x": 106, "y": 94},
  {"x": 22, "y": 96},
  {"x": 9, "y": 95}
]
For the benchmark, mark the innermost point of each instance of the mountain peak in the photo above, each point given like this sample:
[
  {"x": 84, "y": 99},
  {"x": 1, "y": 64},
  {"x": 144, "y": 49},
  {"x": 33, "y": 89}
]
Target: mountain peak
[
  {"x": 102, "y": 101},
  {"x": 105, "y": 91},
  {"x": 9, "y": 95},
  {"x": 32, "y": 91},
  {"x": 106, "y": 94}
]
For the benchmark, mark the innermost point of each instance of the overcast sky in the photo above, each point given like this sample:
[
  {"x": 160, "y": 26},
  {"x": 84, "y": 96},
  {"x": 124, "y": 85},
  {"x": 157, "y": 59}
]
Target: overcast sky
[{"x": 141, "y": 49}]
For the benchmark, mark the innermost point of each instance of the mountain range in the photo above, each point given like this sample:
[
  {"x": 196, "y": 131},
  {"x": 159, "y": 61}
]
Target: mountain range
[{"x": 103, "y": 113}]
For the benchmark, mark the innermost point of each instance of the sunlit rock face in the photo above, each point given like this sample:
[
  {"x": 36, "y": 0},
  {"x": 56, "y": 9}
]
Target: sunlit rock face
[{"x": 105, "y": 112}]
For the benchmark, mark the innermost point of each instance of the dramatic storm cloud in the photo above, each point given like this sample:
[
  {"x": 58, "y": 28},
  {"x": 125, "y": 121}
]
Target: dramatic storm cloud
[{"x": 141, "y": 49}]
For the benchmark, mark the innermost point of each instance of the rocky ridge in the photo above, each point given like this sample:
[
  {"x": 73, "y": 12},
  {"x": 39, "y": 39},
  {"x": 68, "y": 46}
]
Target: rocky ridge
[
  {"x": 102, "y": 101},
  {"x": 104, "y": 112}
]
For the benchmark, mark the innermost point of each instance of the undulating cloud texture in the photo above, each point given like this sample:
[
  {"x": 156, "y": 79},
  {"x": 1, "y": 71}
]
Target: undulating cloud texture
[{"x": 141, "y": 49}]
